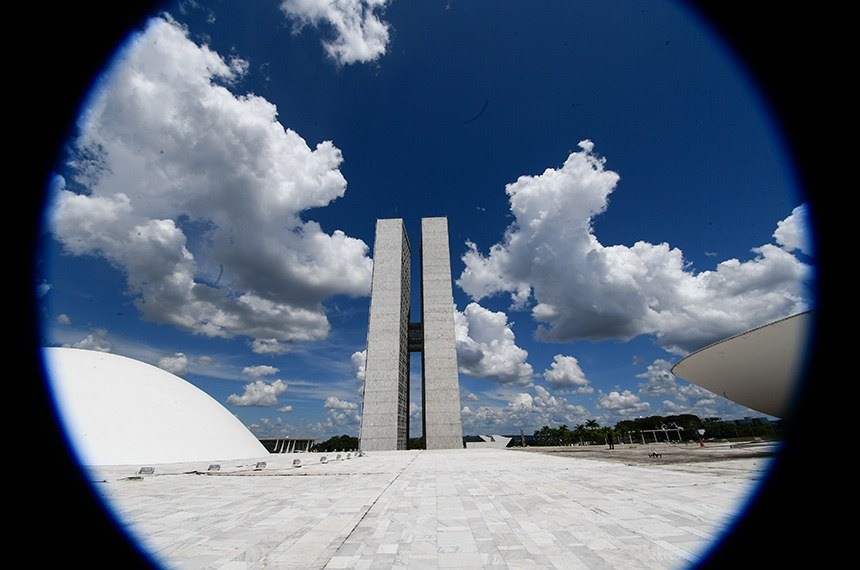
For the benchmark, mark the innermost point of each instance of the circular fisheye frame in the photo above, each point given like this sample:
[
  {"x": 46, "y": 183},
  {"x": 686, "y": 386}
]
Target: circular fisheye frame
[{"x": 258, "y": 349}]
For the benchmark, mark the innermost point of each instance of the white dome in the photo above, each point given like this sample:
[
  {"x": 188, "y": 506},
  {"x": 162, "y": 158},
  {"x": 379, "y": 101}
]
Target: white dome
[{"x": 120, "y": 411}]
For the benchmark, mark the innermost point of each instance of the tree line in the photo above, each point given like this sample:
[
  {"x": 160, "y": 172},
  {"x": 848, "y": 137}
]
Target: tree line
[
  {"x": 683, "y": 427},
  {"x": 337, "y": 443}
]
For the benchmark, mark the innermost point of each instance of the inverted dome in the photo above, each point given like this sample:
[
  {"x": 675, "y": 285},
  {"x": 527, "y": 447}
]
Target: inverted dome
[
  {"x": 120, "y": 411},
  {"x": 759, "y": 368}
]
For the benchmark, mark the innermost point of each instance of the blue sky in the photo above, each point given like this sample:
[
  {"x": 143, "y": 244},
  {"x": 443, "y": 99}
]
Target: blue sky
[{"x": 617, "y": 193}]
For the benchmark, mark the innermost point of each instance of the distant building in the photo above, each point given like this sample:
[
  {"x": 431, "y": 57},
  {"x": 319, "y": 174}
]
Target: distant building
[
  {"x": 750, "y": 421},
  {"x": 287, "y": 444},
  {"x": 489, "y": 441}
]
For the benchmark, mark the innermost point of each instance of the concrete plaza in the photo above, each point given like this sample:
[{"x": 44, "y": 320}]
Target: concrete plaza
[{"x": 588, "y": 508}]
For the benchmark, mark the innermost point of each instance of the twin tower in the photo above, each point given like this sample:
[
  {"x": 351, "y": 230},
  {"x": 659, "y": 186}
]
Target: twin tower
[{"x": 391, "y": 337}]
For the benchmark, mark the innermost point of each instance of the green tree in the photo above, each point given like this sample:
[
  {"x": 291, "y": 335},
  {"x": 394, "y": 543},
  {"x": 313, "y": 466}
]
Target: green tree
[
  {"x": 337, "y": 443},
  {"x": 592, "y": 430},
  {"x": 579, "y": 433},
  {"x": 547, "y": 436},
  {"x": 606, "y": 431},
  {"x": 565, "y": 436}
]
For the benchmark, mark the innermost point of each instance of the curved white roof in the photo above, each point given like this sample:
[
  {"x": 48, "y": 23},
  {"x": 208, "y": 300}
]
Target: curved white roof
[
  {"x": 120, "y": 411},
  {"x": 759, "y": 368}
]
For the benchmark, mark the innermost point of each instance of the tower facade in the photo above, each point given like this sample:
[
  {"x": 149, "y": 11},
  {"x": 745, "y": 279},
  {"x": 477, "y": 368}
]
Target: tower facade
[
  {"x": 439, "y": 373},
  {"x": 391, "y": 337},
  {"x": 385, "y": 406}
]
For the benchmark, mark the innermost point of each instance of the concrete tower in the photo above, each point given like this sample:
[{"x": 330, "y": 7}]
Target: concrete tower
[
  {"x": 439, "y": 372},
  {"x": 385, "y": 409},
  {"x": 391, "y": 337}
]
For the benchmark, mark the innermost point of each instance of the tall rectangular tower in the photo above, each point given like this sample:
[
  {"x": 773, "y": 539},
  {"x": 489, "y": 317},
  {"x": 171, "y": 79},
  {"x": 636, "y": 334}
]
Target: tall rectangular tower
[
  {"x": 385, "y": 409},
  {"x": 391, "y": 337},
  {"x": 439, "y": 371}
]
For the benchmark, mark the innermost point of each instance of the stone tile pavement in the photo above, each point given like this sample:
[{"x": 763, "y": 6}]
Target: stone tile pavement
[{"x": 464, "y": 509}]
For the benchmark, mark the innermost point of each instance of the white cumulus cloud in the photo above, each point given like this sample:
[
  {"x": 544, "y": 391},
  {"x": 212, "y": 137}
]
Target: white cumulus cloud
[
  {"x": 269, "y": 346},
  {"x": 96, "y": 340},
  {"x": 793, "y": 233},
  {"x": 196, "y": 195},
  {"x": 486, "y": 347},
  {"x": 359, "y": 360},
  {"x": 551, "y": 262},
  {"x": 341, "y": 412},
  {"x": 174, "y": 363},
  {"x": 623, "y": 404},
  {"x": 524, "y": 410},
  {"x": 659, "y": 379},
  {"x": 259, "y": 370},
  {"x": 359, "y": 35},
  {"x": 259, "y": 393},
  {"x": 565, "y": 372}
]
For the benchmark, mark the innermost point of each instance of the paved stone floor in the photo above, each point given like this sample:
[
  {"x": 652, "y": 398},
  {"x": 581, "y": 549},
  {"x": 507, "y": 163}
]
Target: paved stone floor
[{"x": 588, "y": 508}]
